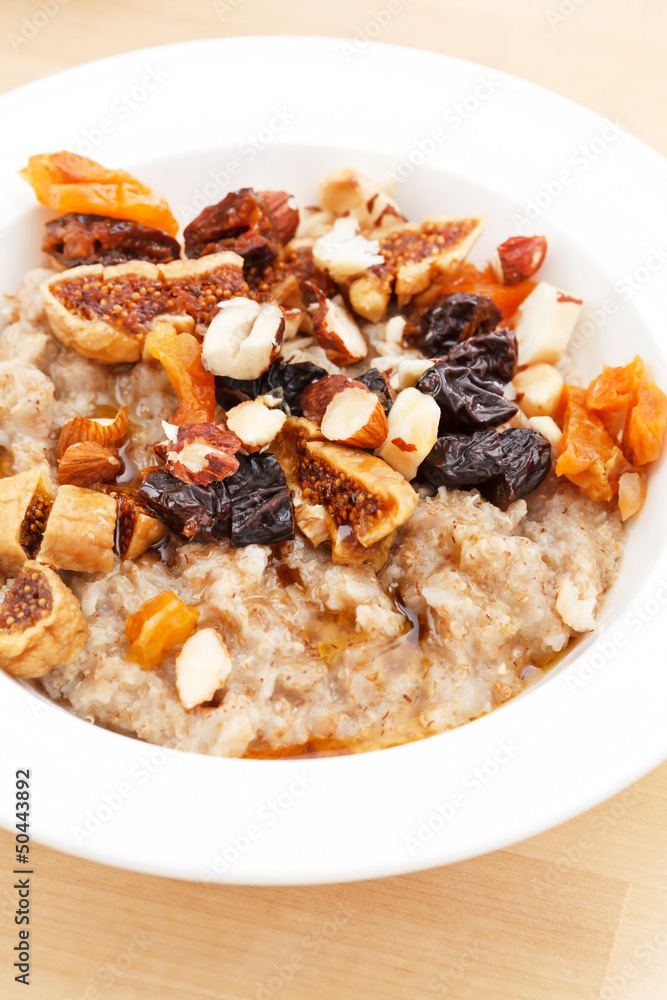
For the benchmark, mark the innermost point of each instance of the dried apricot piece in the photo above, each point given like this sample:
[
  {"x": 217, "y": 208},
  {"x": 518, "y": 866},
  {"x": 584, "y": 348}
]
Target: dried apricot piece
[
  {"x": 180, "y": 353},
  {"x": 645, "y": 427},
  {"x": 67, "y": 182},
  {"x": 160, "y": 624},
  {"x": 616, "y": 388},
  {"x": 587, "y": 454}
]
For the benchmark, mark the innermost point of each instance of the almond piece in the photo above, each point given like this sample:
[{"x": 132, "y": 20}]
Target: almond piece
[
  {"x": 631, "y": 493},
  {"x": 109, "y": 434},
  {"x": 202, "y": 666},
  {"x": 412, "y": 431},
  {"x": 244, "y": 337},
  {"x": 518, "y": 258},
  {"x": 41, "y": 623},
  {"x": 25, "y": 503},
  {"x": 349, "y": 192},
  {"x": 337, "y": 333},
  {"x": 544, "y": 324},
  {"x": 539, "y": 390},
  {"x": 87, "y": 463},
  {"x": 575, "y": 610},
  {"x": 548, "y": 428},
  {"x": 355, "y": 416},
  {"x": 255, "y": 424},
  {"x": 80, "y": 532}
]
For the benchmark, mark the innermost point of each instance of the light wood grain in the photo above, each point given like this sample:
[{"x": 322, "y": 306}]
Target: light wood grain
[{"x": 577, "y": 913}]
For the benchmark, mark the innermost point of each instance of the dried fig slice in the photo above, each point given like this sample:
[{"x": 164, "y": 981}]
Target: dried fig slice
[
  {"x": 136, "y": 527},
  {"x": 25, "y": 504},
  {"x": 77, "y": 238},
  {"x": 357, "y": 489},
  {"x": 80, "y": 532},
  {"x": 41, "y": 623},
  {"x": 105, "y": 313},
  {"x": 413, "y": 256}
]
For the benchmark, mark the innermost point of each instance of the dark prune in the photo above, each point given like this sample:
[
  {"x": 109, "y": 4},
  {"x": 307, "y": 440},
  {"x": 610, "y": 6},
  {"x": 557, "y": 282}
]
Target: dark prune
[
  {"x": 78, "y": 238},
  {"x": 456, "y": 317},
  {"x": 240, "y": 222},
  {"x": 377, "y": 383},
  {"x": 201, "y": 513},
  {"x": 492, "y": 355},
  {"x": 262, "y": 509},
  {"x": 281, "y": 379},
  {"x": 526, "y": 463},
  {"x": 467, "y": 402},
  {"x": 461, "y": 461}
]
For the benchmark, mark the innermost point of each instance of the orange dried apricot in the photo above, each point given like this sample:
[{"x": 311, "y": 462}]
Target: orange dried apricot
[
  {"x": 160, "y": 624},
  {"x": 470, "y": 279},
  {"x": 616, "y": 388},
  {"x": 587, "y": 454},
  {"x": 67, "y": 182},
  {"x": 180, "y": 353},
  {"x": 645, "y": 426}
]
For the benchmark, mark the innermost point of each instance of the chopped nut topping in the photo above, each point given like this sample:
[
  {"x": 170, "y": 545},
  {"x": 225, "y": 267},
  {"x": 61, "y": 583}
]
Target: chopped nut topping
[
  {"x": 337, "y": 333},
  {"x": 255, "y": 423},
  {"x": 244, "y": 338},
  {"x": 110, "y": 435},
  {"x": 202, "y": 454},
  {"x": 86, "y": 463},
  {"x": 41, "y": 623},
  {"x": 106, "y": 312},
  {"x": 25, "y": 504},
  {"x": 202, "y": 666}
]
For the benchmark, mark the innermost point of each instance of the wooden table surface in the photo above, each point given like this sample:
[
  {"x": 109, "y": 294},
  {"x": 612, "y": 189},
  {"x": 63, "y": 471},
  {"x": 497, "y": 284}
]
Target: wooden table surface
[{"x": 577, "y": 913}]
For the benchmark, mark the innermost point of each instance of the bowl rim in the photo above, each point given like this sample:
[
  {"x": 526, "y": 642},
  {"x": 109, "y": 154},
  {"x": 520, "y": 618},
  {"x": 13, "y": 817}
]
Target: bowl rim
[{"x": 352, "y": 794}]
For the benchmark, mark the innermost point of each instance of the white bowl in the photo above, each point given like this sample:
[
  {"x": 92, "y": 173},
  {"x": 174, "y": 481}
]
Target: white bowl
[{"x": 469, "y": 140}]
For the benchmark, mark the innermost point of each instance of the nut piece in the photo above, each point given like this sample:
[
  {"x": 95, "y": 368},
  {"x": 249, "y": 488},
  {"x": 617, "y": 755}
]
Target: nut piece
[
  {"x": 357, "y": 489},
  {"x": 519, "y": 258},
  {"x": 202, "y": 454},
  {"x": 283, "y": 213},
  {"x": 244, "y": 338},
  {"x": 80, "y": 531},
  {"x": 255, "y": 424},
  {"x": 409, "y": 371},
  {"x": 413, "y": 256},
  {"x": 337, "y": 333},
  {"x": 87, "y": 463},
  {"x": 631, "y": 493},
  {"x": 136, "y": 528},
  {"x": 544, "y": 324},
  {"x": 41, "y": 623},
  {"x": 346, "y": 192},
  {"x": 109, "y": 434},
  {"x": 575, "y": 610},
  {"x": 412, "y": 433},
  {"x": 202, "y": 666},
  {"x": 343, "y": 253},
  {"x": 548, "y": 428},
  {"x": 25, "y": 504},
  {"x": 347, "y": 411},
  {"x": 105, "y": 313},
  {"x": 539, "y": 390}
]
